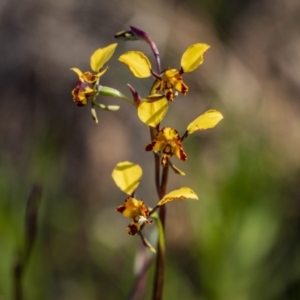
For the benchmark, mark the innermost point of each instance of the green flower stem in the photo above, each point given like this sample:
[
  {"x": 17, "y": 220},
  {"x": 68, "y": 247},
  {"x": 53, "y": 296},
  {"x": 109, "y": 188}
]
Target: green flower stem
[
  {"x": 161, "y": 232},
  {"x": 159, "y": 277}
]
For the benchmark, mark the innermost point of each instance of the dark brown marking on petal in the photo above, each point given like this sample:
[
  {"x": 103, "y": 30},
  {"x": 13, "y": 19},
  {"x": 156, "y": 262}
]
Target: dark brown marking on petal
[
  {"x": 79, "y": 103},
  {"x": 168, "y": 149},
  {"x": 177, "y": 135},
  {"x": 133, "y": 228},
  {"x": 121, "y": 208},
  {"x": 183, "y": 155},
  {"x": 150, "y": 146},
  {"x": 75, "y": 93},
  {"x": 184, "y": 89},
  {"x": 89, "y": 77},
  {"x": 159, "y": 87},
  {"x": 169, "y": 95},
  {"x": 144, "y": 210}
]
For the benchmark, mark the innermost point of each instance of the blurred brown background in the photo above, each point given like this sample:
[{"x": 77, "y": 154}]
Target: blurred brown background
[{"x": 241, "y": 240}]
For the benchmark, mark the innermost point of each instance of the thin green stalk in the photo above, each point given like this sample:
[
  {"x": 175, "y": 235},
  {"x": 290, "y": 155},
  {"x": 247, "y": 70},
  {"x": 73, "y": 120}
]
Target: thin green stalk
[{"x": 159, "y": 277}]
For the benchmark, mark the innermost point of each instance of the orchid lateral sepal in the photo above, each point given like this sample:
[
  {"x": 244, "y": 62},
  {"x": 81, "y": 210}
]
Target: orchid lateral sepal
[
  {"x": 175, "y": 169},
  {"x": 146, "y": 242},
  {"x": 94, "y": 114}
]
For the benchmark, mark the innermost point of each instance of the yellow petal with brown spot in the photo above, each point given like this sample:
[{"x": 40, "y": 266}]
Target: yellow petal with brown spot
[{"x": 180, "y": 194}]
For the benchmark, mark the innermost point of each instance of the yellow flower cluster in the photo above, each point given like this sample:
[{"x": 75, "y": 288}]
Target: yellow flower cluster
[{"x": 151, "y": 110}]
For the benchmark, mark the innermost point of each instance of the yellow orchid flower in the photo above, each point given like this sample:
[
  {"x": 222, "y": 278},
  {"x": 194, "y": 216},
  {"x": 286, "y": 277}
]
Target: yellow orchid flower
[
  {"x": 81, "y": 93},
  {"x": 127, "y": 176},
  {"x": 85, "y": 86},
  {"x": 136, "y": 210},
  {"x": 170, "y": 79},
  {"x": 168, "y": 143},
  {"x": 87, "y": 76}
]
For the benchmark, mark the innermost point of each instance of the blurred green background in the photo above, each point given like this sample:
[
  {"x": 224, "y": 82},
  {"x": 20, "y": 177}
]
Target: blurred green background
[{"x": 241, "y": 240}]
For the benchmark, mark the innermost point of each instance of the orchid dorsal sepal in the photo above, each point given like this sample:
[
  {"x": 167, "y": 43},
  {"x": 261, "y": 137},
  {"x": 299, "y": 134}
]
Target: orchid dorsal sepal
[
  {"x": 175, "y": 169},
  {"x": 137, "y": 62},
  {"x": 127, "y": 176},
  {"x": 77, "y": 71},
  {"x": 111, "y": 92},
  {"x": 146, "y": 243},
  {"x": 180, "y": 194},
  {"x": 101, "y": 56},
  {"x": 137, "y": 99},
  {"x": 192, "y": 58},
  {"x": 207, "y": 120},
  {"x": 94, "y": 114},
  {"x": 152, "y": 113}
]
